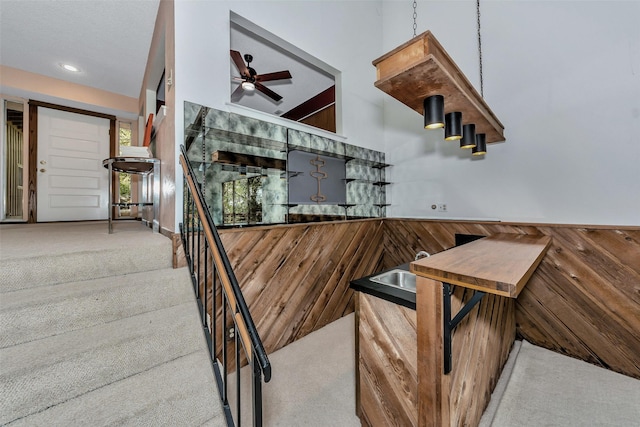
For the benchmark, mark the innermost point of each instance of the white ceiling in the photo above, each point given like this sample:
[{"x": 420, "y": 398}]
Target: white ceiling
[{"x": 108, "y": 40}]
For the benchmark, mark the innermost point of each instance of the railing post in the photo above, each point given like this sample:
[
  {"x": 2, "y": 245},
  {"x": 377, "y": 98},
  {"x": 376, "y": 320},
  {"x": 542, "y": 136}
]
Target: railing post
[
  {"x": 256, "y": 392},
  {"x": 225, "y": 371},
  {"x": 198, "y": 220},
  {"x": 206, "y": 264},
  {"x": 236, "y": 342},
  {"x": 214, "y": 314}
]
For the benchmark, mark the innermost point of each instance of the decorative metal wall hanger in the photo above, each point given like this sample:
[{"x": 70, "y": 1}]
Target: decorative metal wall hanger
[{"x": 318, "y": 175}]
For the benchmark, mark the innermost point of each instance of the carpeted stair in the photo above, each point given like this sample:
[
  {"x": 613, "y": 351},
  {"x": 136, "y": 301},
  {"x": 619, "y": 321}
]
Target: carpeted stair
[{"x": 98, "y": 329}]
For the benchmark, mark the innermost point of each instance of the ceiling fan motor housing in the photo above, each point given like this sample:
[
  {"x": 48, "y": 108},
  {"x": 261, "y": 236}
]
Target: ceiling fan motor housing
[{"x": 251, "y": 77}]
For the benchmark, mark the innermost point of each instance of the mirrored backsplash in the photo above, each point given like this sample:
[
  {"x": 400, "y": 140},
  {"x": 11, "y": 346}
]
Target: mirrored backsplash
[{"x": 256, "y": 172}]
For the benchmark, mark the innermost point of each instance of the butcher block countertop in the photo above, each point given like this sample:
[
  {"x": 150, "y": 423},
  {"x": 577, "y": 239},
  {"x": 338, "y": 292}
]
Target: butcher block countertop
[{"x": 500, "y": 264}]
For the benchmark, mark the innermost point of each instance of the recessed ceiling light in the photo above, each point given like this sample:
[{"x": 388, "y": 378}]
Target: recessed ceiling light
[{"x": 70, "y": 67}]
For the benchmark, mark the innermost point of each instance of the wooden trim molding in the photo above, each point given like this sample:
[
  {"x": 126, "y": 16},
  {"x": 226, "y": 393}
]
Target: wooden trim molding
[{"x": 71, "y": 109}]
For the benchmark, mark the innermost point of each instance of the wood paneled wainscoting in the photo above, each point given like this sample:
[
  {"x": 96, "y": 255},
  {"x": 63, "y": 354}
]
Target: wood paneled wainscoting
[
  {"x": 295, "y": 278},
  {"x": 582, "y": 301}
]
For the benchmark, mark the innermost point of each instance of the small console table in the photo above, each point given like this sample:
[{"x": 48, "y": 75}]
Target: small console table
[{"x": 147, "y": 168}]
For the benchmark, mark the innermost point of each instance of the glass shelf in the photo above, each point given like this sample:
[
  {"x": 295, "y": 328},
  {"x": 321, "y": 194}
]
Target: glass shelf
[
  {"x": 225, "y": 136},
  {"x": 364, "y": 177},
  {"x": 370, "y": 163}
]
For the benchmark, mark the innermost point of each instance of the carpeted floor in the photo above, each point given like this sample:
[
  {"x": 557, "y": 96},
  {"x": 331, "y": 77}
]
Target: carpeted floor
[
  {"x": 313, "y": 382},
  {"x": 548, "y": 389},
  {"x": 98, "y": 329}
]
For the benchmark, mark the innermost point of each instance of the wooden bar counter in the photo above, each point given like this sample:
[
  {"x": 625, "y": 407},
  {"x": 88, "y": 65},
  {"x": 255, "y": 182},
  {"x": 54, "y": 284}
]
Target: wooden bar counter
[
  {"x": 499, "y": 266},
  {"x": 412, "y": 369}
]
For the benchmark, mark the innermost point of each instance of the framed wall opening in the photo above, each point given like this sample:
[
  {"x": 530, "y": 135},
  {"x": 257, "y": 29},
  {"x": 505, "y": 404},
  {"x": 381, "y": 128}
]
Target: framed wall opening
[{"x": 312, "y": 94}]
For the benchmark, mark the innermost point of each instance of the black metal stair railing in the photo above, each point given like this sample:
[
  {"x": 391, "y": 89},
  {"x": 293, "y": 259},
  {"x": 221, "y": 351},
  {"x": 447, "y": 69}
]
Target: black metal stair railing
[{"x": 231, "y": 335}]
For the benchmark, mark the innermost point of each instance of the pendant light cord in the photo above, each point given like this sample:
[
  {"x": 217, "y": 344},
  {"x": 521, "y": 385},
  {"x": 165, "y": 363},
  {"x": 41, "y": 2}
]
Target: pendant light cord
[
  {"x": 415, "y": 15},
  {"x": 479, "y": 48}
]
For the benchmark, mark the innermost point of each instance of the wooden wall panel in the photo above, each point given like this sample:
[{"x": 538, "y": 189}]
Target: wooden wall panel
[
  {"x": 295, "y": 278},
  {"x": 386, "y": 367},
  {"x": 481, "y": 346},
  {"x": 582, "y": 301}
]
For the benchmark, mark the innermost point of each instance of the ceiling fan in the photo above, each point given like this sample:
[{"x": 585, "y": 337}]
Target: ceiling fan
[{"x": 251, "y": 80}]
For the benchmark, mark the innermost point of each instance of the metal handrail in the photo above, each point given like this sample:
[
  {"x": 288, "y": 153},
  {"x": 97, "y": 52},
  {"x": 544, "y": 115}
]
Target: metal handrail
[{"x": 245, "y": 330}]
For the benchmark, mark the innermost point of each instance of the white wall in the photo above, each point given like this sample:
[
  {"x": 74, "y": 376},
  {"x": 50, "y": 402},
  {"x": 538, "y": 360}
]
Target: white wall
[
  {"x": 564, "y": 79},
  {"x": 562, "y": 76},
  {"x": 344, "y": 34}
]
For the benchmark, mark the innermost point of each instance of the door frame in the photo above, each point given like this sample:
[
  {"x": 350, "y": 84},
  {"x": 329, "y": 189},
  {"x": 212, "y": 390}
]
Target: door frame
[
  {"x": 25, "y": 155},
  {"x": 32, "y": 191}
]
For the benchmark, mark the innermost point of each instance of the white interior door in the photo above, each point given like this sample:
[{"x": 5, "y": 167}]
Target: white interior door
[{"x": 72, "y": 183}]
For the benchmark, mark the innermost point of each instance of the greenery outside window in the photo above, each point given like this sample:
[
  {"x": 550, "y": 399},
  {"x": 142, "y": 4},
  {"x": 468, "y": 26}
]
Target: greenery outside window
[
  {"x": 242, "y": 201},
  {"x": 124, "y": 195}
]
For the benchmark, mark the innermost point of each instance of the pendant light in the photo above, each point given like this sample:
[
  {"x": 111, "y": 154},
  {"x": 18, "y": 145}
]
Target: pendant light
[
  {"x": 453, "y": 126},
  {"x": 420, "y": 74},
  {"x": 468, "y": 136},
  {"x": 434, "y": 112},
  {"x": 481, "y": 145}
]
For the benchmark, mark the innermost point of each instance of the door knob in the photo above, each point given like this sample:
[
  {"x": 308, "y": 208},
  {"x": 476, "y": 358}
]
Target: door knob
[
  {"x": 43, "y": 162},
  {"x": 43, "y": 170}
]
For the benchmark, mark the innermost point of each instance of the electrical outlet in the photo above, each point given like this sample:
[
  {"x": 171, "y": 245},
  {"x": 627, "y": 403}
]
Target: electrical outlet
[{"x": 442, "y": 207}]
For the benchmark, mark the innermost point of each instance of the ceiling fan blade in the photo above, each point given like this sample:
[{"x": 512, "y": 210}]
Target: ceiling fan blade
[
  {"x": 240, "y": 65},
  {"x": 271, "y": 94},
  {"x": 278, "y": 75},
  {"x": 237, "y": 94}
]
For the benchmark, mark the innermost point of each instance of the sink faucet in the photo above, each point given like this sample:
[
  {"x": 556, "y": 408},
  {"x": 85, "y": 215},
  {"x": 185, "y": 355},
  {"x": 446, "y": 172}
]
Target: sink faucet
[{"x": 422, "y": 254}]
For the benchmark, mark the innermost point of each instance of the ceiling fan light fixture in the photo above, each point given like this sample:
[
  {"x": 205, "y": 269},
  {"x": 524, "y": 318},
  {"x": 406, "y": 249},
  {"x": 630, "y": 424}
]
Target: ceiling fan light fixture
[
  {"x": 248, "y": 86},
  {"x": 481, "y": 145},
  {"x": 434, "y": 112},
  {"x": 468, "y": 136},
  {"x": 453, "y": 126}
]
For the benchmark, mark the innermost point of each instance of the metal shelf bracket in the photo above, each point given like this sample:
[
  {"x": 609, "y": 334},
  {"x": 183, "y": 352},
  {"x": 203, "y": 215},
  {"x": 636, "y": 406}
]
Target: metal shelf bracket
[{"x": 450, "y": 324}]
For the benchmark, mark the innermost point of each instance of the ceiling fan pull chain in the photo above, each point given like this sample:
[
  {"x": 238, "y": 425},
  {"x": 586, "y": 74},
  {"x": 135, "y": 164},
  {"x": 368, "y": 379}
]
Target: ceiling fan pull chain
[
  {"x": 415, "y": 15},
  {"x": 480, "y": 49}
]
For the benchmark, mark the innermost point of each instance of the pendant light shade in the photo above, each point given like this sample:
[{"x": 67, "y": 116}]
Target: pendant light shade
[
  {"x": 434, "y": 112},
  {"x": 468, "y": 136},
  {"x": 453, "y": 126},
  {"x": 481, "y": 145}
]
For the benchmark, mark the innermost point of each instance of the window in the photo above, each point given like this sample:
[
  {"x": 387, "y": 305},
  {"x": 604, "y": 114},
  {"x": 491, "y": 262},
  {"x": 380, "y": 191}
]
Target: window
[
  {"x": 242, "y": 201},
  {"x": 13, "y": 160},
  {"x": 124, "y": 194}
]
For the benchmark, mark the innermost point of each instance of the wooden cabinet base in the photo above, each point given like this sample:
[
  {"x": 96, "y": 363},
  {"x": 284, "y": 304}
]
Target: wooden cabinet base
[
  {"x": 481, "y": 345},
  {"x": 400, "y": 378},
  {"x": 386, "y": 368}
]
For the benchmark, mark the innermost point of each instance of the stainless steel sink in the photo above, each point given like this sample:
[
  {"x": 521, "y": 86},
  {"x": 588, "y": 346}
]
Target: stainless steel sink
[{"x": 398, "y": 278}]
